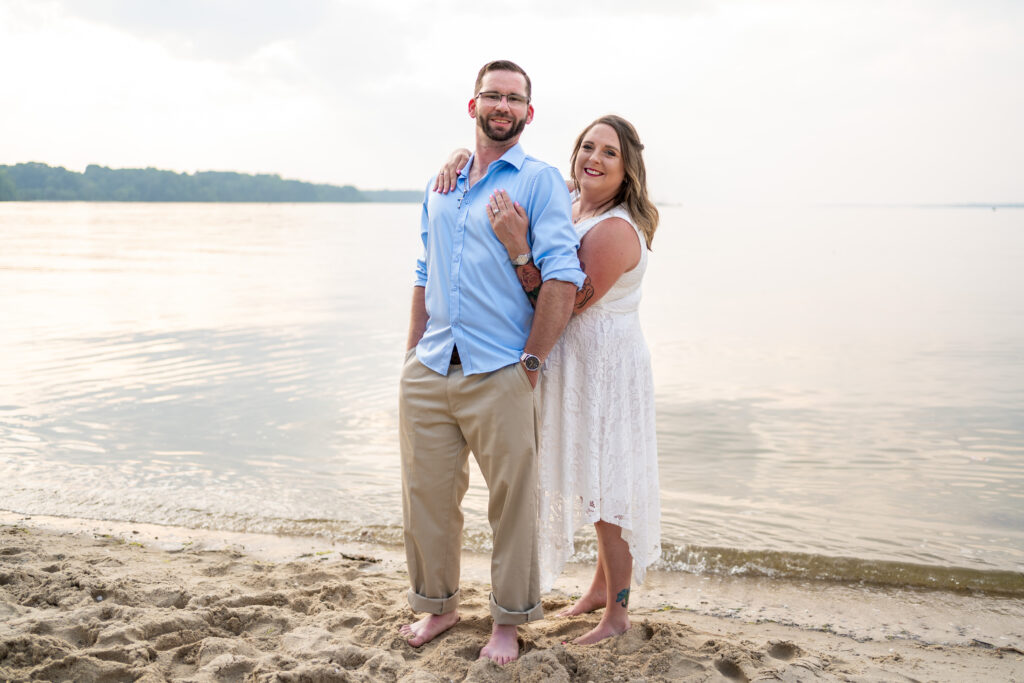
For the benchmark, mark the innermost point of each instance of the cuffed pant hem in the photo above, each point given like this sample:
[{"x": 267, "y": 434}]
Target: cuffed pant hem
[
  {"x": 506, "y": 617},
  {"x": 433, "y": 605}
]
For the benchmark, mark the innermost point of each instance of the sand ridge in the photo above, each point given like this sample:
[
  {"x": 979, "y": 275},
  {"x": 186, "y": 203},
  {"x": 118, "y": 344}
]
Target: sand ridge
[{"x": 87, "y": 607}]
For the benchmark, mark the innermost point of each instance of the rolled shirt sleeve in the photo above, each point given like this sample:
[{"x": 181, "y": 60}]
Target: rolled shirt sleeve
[
  {"x": 553, "y": 238},
  {"x": 421, "y": 263}
]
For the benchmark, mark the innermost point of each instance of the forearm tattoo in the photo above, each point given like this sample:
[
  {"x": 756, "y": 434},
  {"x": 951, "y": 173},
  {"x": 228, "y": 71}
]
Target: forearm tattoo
[
  {"x": 585, "y": 293},
  {"x": 623, "y": 597},
  {"x": 529, "y": 278}
]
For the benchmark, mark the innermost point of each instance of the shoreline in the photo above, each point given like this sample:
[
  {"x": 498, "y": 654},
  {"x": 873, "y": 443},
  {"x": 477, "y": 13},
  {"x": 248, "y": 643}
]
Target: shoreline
[{"x": 83, "y": 598}]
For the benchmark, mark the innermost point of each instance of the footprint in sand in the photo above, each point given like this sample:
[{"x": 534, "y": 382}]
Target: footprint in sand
[
  {"x": 730, "y": 669},
  {"x": 784, "y": 650},
  {"x": 79, "y": 635},
  {"x": 570, "y": 628}
]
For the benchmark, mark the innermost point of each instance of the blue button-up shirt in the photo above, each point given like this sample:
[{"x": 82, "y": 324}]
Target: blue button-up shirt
[{"x": 473, "y": 297}]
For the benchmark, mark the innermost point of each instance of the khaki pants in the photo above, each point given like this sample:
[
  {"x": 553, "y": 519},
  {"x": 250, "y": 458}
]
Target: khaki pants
[{"x": 442, "y": 419}]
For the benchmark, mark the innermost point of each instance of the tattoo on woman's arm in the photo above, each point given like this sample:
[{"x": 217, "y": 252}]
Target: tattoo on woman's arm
[
  {"x": 585, "y": 293},
  {"x": 529, "y": 278}
]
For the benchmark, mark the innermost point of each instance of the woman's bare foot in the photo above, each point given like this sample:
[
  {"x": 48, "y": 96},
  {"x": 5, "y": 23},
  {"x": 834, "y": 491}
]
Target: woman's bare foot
[
  {"x": 605, "y": 629},
  {"x": 590, "y": 602},
  {"x": 503, "y": 647},
  {"x": 429, "y": 627}
]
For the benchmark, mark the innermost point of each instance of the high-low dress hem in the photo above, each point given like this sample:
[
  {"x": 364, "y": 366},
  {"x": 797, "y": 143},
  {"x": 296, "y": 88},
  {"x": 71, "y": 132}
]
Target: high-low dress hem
[{"x": 598, "y": 448}]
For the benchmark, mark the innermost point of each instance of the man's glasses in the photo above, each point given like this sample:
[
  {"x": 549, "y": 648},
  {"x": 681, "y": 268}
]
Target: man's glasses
[{"x": 494, "y": 99}]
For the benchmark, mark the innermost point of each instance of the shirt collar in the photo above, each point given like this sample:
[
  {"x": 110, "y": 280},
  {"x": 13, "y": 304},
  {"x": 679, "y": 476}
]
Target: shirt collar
[{"x": 514, "y": 156}]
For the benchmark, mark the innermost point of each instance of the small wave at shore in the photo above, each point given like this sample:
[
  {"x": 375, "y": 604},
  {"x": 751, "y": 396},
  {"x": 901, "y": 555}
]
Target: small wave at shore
[
  {"x": 255, "y": 505},
  {"x": 807, "y": 566},
  {"x": 691, "y": 559},
  {"x": 773, "y": 564},
  {"x": 795, "y": 566}
]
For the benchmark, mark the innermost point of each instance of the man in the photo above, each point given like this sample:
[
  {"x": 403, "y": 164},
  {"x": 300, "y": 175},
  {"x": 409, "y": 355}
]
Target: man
[{"x": 474, "y": 351}]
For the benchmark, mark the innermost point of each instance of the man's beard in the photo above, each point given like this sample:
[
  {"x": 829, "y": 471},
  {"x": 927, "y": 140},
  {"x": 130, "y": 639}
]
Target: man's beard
[{"x": 513, "y": 131}]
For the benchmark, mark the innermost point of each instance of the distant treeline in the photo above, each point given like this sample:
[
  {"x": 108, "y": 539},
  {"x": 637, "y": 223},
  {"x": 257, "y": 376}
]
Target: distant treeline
[{"x": 36, "y": 181}]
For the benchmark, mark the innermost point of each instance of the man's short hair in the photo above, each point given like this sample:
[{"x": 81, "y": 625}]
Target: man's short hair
[{"x": 501, "y": 65}]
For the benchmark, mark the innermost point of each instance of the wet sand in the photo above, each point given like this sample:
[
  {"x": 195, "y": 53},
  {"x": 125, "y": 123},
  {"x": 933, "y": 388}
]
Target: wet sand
[{"x": 83, "y": 600}]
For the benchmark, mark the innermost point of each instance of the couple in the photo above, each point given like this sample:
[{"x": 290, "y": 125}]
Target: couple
[{"x": 501, "y": 274}]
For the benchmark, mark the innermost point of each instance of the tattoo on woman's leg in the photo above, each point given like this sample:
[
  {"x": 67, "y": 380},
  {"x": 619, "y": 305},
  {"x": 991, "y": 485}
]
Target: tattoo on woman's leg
[{"x": 623, "y": 597}]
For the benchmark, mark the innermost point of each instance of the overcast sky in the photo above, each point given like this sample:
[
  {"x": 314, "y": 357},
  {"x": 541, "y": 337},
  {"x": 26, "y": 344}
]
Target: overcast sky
[{"x": 757, "y": 101}]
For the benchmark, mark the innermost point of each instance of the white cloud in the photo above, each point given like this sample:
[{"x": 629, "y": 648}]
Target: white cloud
[
  {"x": 219, "y": 29},
  {"x": 737, "y": 101}
]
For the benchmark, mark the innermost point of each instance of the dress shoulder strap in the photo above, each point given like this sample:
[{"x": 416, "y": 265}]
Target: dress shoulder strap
[
  {"x": 617, "y": 211},
  {"x": 620, "y": 211}
]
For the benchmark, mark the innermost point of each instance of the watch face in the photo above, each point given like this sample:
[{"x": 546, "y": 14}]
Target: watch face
[{"x": 532, "y": 363}]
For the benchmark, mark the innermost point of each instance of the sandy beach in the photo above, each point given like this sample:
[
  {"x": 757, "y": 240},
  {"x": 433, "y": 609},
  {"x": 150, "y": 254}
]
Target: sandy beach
[{"x": 90, "y": 601}]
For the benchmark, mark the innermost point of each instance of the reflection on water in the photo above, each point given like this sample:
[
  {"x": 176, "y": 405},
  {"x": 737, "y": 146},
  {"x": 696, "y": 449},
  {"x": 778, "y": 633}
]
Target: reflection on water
[{"x": 831, "y": 383}]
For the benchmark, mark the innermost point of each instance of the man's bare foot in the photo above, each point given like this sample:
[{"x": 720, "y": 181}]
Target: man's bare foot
[
  {"x": 503, "y": 647},
  {"x": 605, "y": 629},
  {"x": 429, "y": 627},
  {"x": 588, "y": 603}
]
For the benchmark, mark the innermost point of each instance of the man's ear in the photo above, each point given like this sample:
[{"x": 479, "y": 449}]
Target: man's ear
[
  {"x": 472, "y": 108},
  {"x": 529, "y": 114}
]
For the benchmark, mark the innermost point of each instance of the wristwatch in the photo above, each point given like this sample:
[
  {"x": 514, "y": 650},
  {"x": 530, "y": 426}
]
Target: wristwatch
[
  {"x": 530, "y": 361},
  {"x": 522, "y": 259}
]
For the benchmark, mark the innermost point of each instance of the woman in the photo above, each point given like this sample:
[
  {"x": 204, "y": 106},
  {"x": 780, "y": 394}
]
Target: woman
[{"x": 598, "y": 453}]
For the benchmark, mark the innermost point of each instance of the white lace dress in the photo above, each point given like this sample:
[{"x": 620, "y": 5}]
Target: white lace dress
[{"x": 598, "y": 451}]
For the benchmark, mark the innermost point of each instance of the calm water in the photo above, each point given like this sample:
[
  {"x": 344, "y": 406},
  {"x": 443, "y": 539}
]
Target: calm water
[{"x": 840, "y": 391}]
